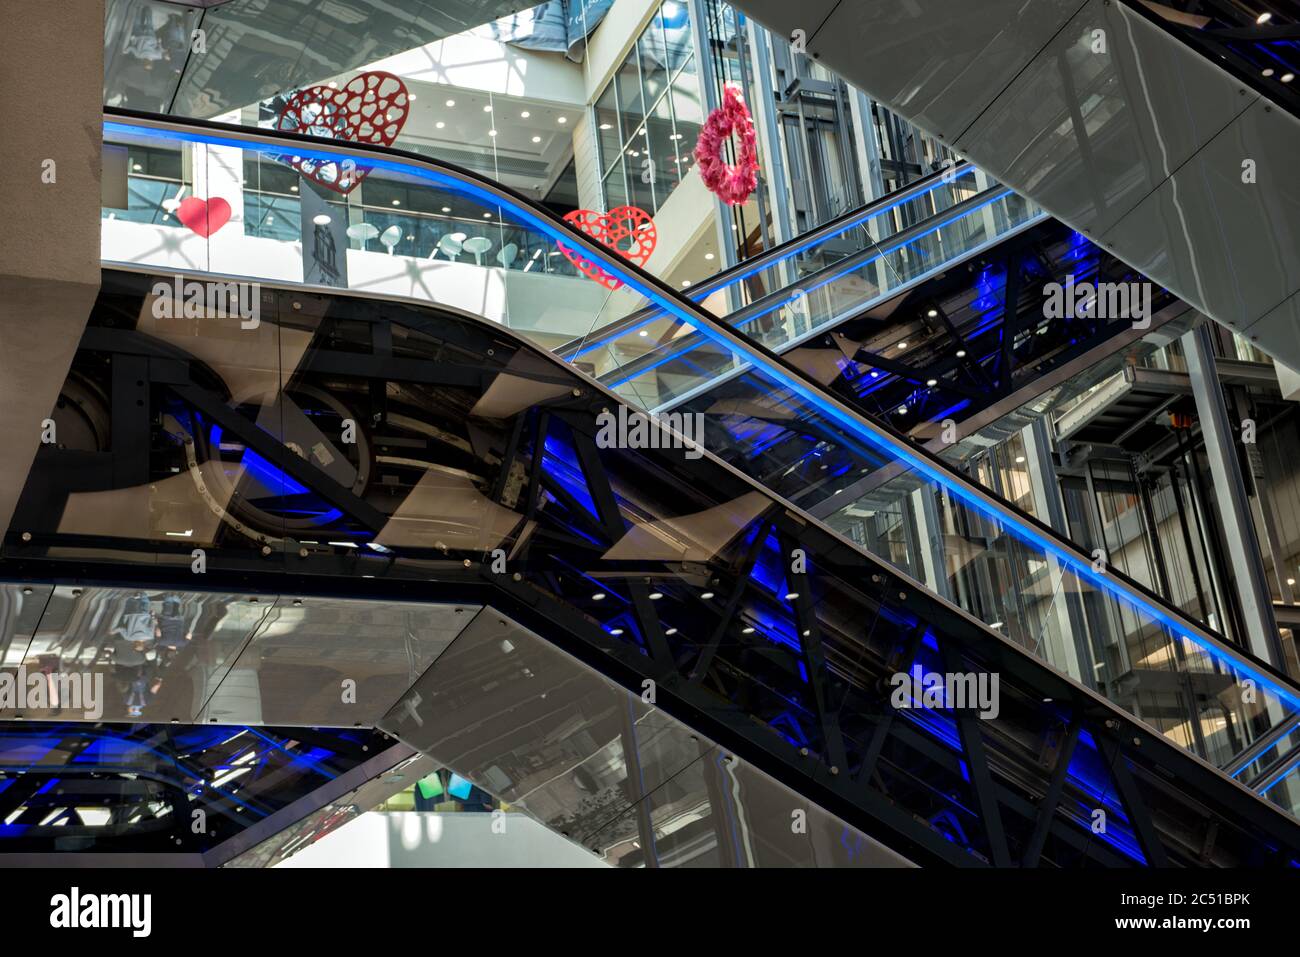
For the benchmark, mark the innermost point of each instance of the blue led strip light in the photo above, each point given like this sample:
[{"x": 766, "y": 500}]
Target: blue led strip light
[{"x": 890, "y": 445}]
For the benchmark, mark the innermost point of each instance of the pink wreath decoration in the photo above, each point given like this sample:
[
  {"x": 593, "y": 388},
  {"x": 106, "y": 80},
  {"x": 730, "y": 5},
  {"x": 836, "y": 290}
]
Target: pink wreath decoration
[{"x": 732, "y": 184}]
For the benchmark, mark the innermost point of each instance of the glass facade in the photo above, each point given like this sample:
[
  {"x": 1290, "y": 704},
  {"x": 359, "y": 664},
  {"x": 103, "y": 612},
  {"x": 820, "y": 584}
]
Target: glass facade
[{"x": 649, "y": 115}]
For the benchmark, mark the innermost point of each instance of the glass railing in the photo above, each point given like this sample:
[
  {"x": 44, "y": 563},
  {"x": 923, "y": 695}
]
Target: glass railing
[
  {"x": 346, "y": 444},
  {"x": 657, "y": 360},
  {"x": 979, "y": 552}
]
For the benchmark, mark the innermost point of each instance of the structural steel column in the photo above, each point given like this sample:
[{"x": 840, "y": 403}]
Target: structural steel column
[
  {"x": 52, "y": 73},
  {"x": 1230, "y": 497}
]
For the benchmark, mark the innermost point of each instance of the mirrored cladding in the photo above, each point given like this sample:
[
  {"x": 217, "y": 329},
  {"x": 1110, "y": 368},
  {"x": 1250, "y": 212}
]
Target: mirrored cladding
[
  {"x": 338, "y": 662},
  {"x": 145, "y": 789}
]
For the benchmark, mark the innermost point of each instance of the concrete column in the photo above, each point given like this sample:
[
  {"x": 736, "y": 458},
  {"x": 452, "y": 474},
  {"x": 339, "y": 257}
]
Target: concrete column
[{"x": 52, "y": 63}]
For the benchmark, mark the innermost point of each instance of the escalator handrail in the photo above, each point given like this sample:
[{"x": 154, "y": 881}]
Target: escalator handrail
[
  {"x": 769, "y": 257},
  {"x": 879, "y": 435}
]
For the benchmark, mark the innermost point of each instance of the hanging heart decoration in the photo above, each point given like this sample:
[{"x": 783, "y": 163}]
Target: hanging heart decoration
[
  {"x": 203, "y": 216},
  {"x": 732, "y": 184},
  {"x": 370, "y": 108},
  {"x": 628, "y": 230}
]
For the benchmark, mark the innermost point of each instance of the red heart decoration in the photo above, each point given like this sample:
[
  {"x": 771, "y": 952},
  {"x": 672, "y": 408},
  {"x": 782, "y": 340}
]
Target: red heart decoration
[
  {"x": 204, "y": 216},
  {"x": 372, "y": 107},
  {"x": 628, "y": 230}
]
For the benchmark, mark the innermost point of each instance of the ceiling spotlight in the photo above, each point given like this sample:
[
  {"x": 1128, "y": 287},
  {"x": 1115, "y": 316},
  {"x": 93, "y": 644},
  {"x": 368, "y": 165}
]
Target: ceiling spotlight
[
  {"x": 643, "y": 332},
  {"x": 451, "y": 102},
  {"x": 488, "y": 108},
  {"x": 747, "y": 630},
  {"x": 707, "y": 595},
  {"x": 961, "y": 353},
  {"x": 656, "y": 595},
  {"x": 599, "y": 596},
  {"x": 902, "y": 345},
  {"x": 561, "y": 119},
  {"x": 321, "y": 220},
  {"x": 293, "y": 189},
  {"x": 616, "y": 631},
  {"x": 605, "y": 126},
  {"x": 709, "y": 256},
  {"x": 537, "y": 139},
  {"x": 1020, "y": 460},
  {"x": 487, "y": 215},
  {"x": 1263, "y": 18},
  {"x": 440, "y": 124},
  {"x": 791, "y": 596},
  {"x": 1288, "y": 77},
  {"x": 932, "y": 313},
  {"x": 333, "y": 84},
  {"x": 492, "y": 132},
  {"x": 411, "y": 97},
  {"x": 685, "y": 283},
  {"x": 902, "y": 410},
  {"x": 137, "y": 167},
  {"x": 931, "y": 382},
  {"x": 397, "y": 202},
  {"x": 446, "y": 209},
  {"x": 1268, "y": 71},
  {"x": 875, "y": 374},
  {"x": 524, "y": 115},
  {"x": 670, "y": 631}
]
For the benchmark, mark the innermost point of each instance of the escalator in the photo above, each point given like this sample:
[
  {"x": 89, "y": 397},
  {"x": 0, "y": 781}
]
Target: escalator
[
  {"x": 997, "y": 564},
  {"x": 1165, "y": 131},
  {"x": 477, "y": 486}
]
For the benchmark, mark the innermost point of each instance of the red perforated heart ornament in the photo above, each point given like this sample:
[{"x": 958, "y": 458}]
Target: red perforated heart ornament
[
  {"x": 372, "y": 108},
  {"x": 627, "y": 230}
]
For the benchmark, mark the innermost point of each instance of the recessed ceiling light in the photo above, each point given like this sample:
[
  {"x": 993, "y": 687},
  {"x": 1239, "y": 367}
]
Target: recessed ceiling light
[
  {"x": 616, "y": 631},
  {"x": 902, "y": 345},
  {"x": 791, "y": 596},
  {"x": 685, "y": 283},
  {"x": 599, "y": 596},
  {"x": 1268, "y": 71},
  {"x": 707, "y": 595},
  {"x": 1288, "y": 77},
  {"x": 605, "y": 126},
  {"x": 675, "y": 136},
  {"x": 932, "y": 313},
  {"x": 440, "y": 124},
  {"x": 1264, "y": 18},
  {"x": 875, "y": 375},
  {"x": 747, "y": 630},
  {"x": 670, "y": 631},
  {"x": 643, "y": 332},
  {"x": 488, "y": 108},
  {"x": 321, "y": 219},
  {"x": 397, "y": 202},
  {"x": 411, "y": 97},
  {"x": 293, "y": 189},
  {"x": 1290, "y": 581},
  {"x": 902, "y": 410},
  {"x": 1020, "y": 460},
  {"x": 492, "y": 132},
  {"x": 561, "y": 119},
  {"x": 451, "y": 102},
  {"x": 333, "y": 84},
  {"x": 537, "y": 139},
  {"x": 961, "y": 353},
  {"x": 487, "y": 215},
  {"x": 656, "y": 595},
  {"x": 709, "y": 256},
  {"x": 137, "y": 167},
  {"x": 931, "y": 382},
  {"x": 524, "y": 115}
]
